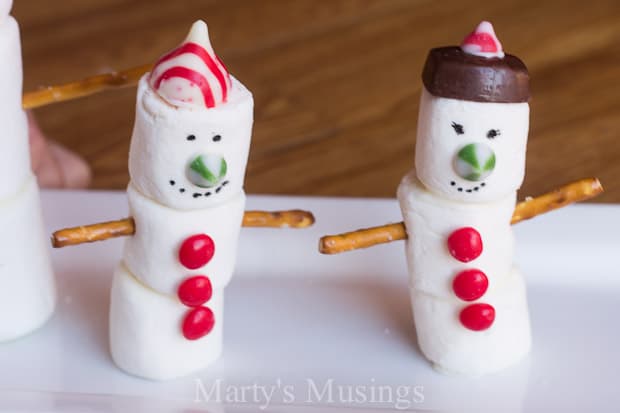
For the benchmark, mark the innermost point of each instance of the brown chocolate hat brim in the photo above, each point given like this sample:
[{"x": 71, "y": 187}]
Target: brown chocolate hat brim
[{"x": 451, "y": 73}]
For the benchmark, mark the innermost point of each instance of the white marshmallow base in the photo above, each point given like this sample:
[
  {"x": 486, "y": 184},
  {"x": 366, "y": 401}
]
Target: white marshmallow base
[
  {"x": 27, "y": 290},
  {"x": 146, "y": 316},
  {"x": 146, "y": 338},
  {"x": 451, "y": 347},
  {"x": 456, "y": 350}
]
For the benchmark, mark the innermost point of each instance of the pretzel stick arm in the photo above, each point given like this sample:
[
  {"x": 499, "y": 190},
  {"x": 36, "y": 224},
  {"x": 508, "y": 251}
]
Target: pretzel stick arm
[
  {"x": 93, "y": 233},
  {"x": 125, "y": 227},
  {"x": 561, "y": 197},
  {"x": 295, "y": 218},
  {"x": 363, "y": 238},
  {"x": 84, "y": 87},
  {"x": 565, "y": 195}
]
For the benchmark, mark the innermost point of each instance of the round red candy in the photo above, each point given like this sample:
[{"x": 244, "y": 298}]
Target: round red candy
[
  {"x": 198, "y": 323},
  {"x": 465, "y": 244},
  {"x": 196, "y": 251},
  {"x": 477, "y": 317},
  {"x": 469, "y": 285},
  {"x": 195, "y": 291}
]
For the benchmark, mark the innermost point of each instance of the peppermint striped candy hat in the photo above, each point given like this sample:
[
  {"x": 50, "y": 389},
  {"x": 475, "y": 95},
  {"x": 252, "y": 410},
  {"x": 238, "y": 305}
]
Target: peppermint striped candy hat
[{"x": 192, "y": 76}]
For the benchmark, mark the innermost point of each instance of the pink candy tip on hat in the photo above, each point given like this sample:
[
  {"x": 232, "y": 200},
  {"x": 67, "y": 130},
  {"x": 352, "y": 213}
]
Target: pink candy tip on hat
[
  {"x": 192, "y": 76},
  {"x": 483, "y": 42}
]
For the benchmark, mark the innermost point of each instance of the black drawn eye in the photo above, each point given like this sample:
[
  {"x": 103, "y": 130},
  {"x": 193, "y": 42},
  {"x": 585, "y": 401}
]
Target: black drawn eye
[
  {"x": 191, "y": 138},
  {"x": 217, "y": 138},
  {"x": 458, "y": 128},
  {"x": 493, "y": 133}
]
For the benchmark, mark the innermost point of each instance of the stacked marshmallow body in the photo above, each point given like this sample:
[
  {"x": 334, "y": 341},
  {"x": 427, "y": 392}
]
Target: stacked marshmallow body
[
  {"x": 469, "y": 302},
  {"x": 187, "y": 163},
  {"x": 442, "y": 338},
  {"x": 27, "y": 294}
]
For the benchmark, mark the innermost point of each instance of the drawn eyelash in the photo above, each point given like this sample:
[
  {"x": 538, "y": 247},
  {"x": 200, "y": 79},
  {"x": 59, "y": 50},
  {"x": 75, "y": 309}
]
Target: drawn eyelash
[
  {"x": 458, "y": 128},
  {"x": 493, "y": 133}
]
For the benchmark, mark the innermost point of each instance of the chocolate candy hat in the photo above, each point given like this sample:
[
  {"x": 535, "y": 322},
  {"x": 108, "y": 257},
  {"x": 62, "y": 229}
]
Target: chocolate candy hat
[{"x": 478, "y": 70}]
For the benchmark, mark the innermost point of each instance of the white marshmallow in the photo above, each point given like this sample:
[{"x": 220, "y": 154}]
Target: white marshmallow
[
  {"x": 152, "y": 253},
  {"x": 14, "y": 156},
  {"x": 5, "y": 7},
  {"x": 146, "y": 339},
  {"x": 438, "y": 144},
  {"x": 27, "y": 293},
  {"x": 430, "y": 219},
  {"x": 457, "y": 350},
  {"x": 160, "y": 153}
]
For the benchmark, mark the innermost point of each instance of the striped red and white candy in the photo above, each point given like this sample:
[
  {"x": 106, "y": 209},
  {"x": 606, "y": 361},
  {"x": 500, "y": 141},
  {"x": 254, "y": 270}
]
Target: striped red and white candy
[
  {"x": 483, "y": 42},
  {"x": 192, "y": 75}
]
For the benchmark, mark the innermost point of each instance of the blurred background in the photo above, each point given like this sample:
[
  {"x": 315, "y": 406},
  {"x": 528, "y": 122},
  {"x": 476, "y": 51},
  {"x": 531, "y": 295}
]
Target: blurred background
[{"x": 336, "y": 82}]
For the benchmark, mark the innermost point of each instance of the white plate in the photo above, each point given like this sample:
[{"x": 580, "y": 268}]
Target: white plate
[{"x": 300, "y": 323}]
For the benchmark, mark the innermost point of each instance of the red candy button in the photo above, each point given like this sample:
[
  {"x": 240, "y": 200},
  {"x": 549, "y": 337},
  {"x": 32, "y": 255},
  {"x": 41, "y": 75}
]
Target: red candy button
[
  {"x": 478, "y": 316},
  {"x": 198, "y": 323},
  {"x": 465, "y": 244},
  {"x": 469, "y": 285},
  {"x": 195, "y": 291},
  {"x": 196, "y": 251}
]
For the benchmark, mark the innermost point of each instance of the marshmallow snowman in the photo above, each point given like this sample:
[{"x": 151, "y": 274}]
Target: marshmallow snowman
[
  {"x": 187, "y": 162},
  {"x": 27, "y": 291},
  {"x": 469, "y": 302}
]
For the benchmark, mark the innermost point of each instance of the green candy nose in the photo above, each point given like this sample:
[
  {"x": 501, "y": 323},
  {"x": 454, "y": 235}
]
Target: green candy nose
[
  {"x": 206, "y": 170},
  {"x": 474, "y": 162}
]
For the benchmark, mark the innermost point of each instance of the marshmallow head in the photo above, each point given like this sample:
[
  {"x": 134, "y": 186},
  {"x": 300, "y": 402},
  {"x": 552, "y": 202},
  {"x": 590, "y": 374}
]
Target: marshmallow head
[
  {"x": 5, "y": 7},
  {"x": 192, "y": 76},
  {"x": 190, "y": 159},
  {"x": 470, "y": 151},
  {"x": 193, "y": 126},
  {"x": 14, "y": 156}
]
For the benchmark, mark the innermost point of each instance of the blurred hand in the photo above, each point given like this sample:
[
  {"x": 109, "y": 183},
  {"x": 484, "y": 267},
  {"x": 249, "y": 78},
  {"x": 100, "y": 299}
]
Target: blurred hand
[{"x": 54, "y": 165}]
